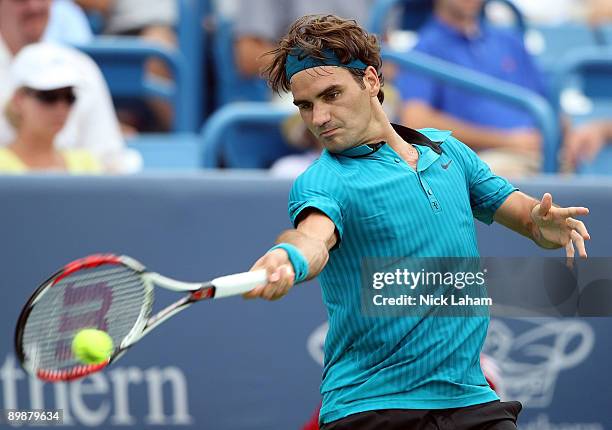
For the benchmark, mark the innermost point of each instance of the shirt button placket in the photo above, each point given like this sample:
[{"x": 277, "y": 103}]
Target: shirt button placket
[{"x": 433, "y": 201}]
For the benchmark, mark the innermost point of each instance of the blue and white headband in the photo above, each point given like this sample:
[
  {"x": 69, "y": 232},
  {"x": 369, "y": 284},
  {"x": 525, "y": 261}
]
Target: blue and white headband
[{"x": 297, "y": 61}]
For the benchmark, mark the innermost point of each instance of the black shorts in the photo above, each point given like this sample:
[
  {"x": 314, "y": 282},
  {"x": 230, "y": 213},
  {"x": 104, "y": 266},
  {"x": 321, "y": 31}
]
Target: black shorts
[{"x": 487, "y": 416}]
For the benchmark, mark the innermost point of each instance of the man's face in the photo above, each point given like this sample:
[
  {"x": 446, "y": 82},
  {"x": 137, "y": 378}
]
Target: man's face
[
  {"x": 27, "y": 17},
  {"x": 334, "y": 107}
]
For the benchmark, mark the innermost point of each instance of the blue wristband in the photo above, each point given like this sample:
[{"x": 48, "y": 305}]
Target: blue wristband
[{"x": 299, "y": 263}]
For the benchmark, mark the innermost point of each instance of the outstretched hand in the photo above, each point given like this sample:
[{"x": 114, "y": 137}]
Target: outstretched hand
[{"x": 555, "y": 227}]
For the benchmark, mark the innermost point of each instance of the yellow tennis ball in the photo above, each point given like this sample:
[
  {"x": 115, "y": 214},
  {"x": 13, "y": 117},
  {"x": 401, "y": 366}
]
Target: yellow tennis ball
[{"x": 92, "y": 346}]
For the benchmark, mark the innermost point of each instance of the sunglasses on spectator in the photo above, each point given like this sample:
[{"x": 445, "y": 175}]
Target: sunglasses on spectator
[{"x": 51, "y": 97}]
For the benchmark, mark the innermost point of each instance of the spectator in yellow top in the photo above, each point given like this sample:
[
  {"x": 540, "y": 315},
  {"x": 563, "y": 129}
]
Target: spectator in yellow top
[{"x": 43, "y": 89}]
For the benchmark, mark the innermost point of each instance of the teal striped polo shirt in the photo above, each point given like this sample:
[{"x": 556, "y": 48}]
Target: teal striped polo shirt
[{"x": 382, "y": 207}]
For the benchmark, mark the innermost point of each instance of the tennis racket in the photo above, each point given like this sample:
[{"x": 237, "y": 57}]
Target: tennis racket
[{"x": 105, "y": 292}]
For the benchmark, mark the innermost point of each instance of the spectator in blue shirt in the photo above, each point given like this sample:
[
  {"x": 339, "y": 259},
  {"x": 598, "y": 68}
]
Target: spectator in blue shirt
[{"x": 504, "y": 136}]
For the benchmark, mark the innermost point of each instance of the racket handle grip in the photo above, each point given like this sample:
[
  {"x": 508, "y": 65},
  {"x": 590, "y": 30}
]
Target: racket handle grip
[{"x": 239, "y": 283}]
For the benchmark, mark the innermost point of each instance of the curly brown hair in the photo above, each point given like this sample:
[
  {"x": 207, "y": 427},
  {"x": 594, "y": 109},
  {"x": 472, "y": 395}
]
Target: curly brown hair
[{"x": 315, "y": 34}]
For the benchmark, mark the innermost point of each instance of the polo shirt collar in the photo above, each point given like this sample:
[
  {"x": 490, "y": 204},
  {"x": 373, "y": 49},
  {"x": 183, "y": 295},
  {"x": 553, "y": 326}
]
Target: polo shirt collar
[
  {"x": 408, "y": 134},
  {"x": 428, "y": 142},
  {"x": 427, "y": 156},
  {"x": 415, "y": 137},
  {"x": 361, "y": 150}
]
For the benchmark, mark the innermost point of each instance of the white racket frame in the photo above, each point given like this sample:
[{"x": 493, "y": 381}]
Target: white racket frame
[{"x": 225, "y": 286}]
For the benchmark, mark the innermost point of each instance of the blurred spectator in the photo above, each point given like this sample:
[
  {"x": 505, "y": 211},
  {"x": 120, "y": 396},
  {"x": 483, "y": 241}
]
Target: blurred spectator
[
  {"x": 599, "y": 12},
  {"x": 137, "y": 17},
  {"x": 153, "y": 21},
  {"x": 92, "y": 123},
  {"x": 42, "y": 90},
  {"x": 67, "y": 24},
  {"x": 260, "y": 23},
  {"x": 584, "y": 143},
  {"x": 504, "y": 136}
]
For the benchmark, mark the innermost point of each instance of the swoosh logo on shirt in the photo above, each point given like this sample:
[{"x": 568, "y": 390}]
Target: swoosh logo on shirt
[{"x": 445, "y": 166}]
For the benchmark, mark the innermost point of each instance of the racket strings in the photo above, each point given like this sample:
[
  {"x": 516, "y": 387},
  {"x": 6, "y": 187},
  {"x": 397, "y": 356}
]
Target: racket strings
[{"x": 107, "y": 297}]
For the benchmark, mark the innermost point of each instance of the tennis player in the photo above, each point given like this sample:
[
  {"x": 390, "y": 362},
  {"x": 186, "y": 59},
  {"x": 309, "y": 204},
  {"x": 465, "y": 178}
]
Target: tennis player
[{"x": 383, "y": 190}]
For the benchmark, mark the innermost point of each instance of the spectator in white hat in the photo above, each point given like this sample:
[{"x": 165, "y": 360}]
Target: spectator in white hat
[
  {"x": 43, "y": 87},
  {"x": 92, "y": 123}
]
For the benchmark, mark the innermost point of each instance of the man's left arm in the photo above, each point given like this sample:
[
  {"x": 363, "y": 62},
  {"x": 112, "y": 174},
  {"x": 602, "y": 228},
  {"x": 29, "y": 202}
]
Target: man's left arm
[
  {"x": 548, "y": 225},
  {"x": 493, "y": 198}
]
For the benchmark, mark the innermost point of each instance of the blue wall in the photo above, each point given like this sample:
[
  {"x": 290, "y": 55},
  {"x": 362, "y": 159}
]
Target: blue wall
[{"x": 246, "y": 365}]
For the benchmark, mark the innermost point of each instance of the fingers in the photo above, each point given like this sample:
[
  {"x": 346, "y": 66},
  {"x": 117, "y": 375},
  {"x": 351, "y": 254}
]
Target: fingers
[
  {"x": 578, "y": 241},
  {"x": 281, "y": 276},
  {"x": 275, "y": 276},
  {"x": 259, "y": 264},
  {"x": 277, "y": 289},
  {"x": 569, "y": 254},
  {"x": 578, "y": 235},
  {"x": 254, "y": 293},
  {"x": 572, "y": 211},
  {"x": 545, "y": 204},
  {"x": 279, "y": 283},
  {"x": 579, "y": 227}
]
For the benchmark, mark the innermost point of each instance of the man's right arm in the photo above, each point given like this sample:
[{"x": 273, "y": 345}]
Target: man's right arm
[{"x": 314, "y": 236}]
